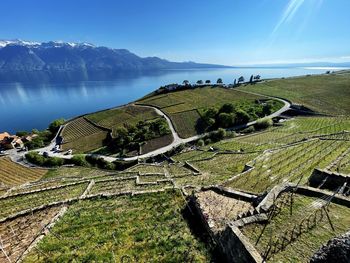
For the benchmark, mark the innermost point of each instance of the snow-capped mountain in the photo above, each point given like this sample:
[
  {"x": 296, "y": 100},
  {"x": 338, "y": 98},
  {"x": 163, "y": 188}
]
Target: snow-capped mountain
[{"x": 62, "y": 61}]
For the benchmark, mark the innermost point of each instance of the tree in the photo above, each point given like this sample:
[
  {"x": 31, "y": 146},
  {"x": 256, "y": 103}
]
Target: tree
[
  {"x": 199, "y": 82},
  {"x": 251, "y": 79},
  {"x": 267, "y": 109},
  {"x": 21, "y": 133},
  {"x": 257, "y": 78},
  {"x": 211, "y": 112},
  {"x": 55, "y": 125},
  {"x": 207, "y": 81},
  {"x": 242, "y": 117},
  {"x": 240, "y": 79},
  {"x": 219, "y": 81},
  {"x": 185, "y": 82},
  {"x": 228, "y": 108},
  {"x": 225, "y": 120}
]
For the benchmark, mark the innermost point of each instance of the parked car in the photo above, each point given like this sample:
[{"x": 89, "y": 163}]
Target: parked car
[{"x": 69, "y": 152}]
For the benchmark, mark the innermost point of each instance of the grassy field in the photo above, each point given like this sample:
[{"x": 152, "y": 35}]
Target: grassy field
[
  {"x": 144, "y": 228},
  {"x": 12, "y": 174},
  {"x": 322, "y": 93},
  {"x": 82, "y": 136},
  {"x": 285, "y": 225},
  {"x": 184, "y": 107}
]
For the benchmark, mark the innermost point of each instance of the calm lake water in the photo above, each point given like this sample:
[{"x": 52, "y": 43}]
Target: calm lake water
[{"x": 25, "y": 106}]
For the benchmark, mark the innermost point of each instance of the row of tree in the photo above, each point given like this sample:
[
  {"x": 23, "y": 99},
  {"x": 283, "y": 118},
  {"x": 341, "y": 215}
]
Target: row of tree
[{"x": 220, "y": 81}]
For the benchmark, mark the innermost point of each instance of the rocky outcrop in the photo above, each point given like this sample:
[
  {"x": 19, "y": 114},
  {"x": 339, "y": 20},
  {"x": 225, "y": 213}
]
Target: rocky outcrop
[{"x": 337, "y": 250}]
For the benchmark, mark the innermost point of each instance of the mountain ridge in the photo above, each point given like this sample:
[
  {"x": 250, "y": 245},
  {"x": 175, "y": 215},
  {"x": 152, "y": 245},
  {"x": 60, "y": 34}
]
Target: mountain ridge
[{"x": 65, "y": 61}]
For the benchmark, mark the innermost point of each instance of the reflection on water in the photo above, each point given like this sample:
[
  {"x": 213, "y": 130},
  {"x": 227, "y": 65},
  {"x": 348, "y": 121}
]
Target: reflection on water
[{"x": 25, "y": 106}]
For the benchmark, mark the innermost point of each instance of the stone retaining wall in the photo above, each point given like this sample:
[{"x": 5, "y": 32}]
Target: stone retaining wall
[
  {"x": 328, "y": 180},
  {"x": 191, "y": 167}
]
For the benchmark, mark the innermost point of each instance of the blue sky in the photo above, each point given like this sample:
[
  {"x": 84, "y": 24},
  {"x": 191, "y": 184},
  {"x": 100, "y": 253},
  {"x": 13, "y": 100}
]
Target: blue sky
[{"x": 231, "y": 32}]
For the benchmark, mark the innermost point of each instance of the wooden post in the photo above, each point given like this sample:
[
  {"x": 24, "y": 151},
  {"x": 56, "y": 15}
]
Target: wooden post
[{"x": 329, "y": 219}]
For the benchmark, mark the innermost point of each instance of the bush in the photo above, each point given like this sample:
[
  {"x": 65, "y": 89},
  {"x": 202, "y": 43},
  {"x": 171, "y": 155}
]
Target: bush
[
  {"x": 218, "y": 135},
  {"x": 53, "y": 162},
  {"x": 228, "y": 108},
  {"x": 99, "y": 162},
  {"x": 263, "y": 124},
  {"x": 79, "y": 160},
  {"x": 242, "y": 117},
  {"x": 36, "y": 158},
  {"x": 21, "y": 133},
  {"x": 122, "y": 165},
  {"x": 200, "y": 143},
  {"x": 225, "y": 120},
  {"x": 207, "y": 141},
  {"x": 250, "y": 129},
  {"x": 55, "y": 125}
]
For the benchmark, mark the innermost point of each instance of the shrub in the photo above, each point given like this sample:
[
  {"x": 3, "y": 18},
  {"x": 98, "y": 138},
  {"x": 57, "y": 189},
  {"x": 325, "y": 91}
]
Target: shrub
[
  {"x": 250, "y": 129},
  {"x": 55, "y": 125},
  {"x": 35, "y": 158},
  {"x": 241, "y": 117},
  {"x": 79, "y": 160},
  {"x": 228, "y": 108},
  {"x": 21, "y": 133},
  {"x": 225, "y": 120},
  {"x": 200, "y": 143},
  {"x": 218, "y": 135},
  {"x": 207, "y": 141},
  {"x": 263, "y": 124},
  {"x": 53, "y": 162}
]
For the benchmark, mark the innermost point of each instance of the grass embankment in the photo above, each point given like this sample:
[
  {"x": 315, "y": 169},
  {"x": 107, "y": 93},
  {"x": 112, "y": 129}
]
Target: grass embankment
[
  {"x": 186, "y": 107},
  {"x": 322, "y": 93},
  {"x": 144, "y": 228},
  {"x": 284, "y": 225}
]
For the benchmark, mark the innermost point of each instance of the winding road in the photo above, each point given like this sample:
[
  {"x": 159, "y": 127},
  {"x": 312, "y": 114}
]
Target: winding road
[{"x": 18, "y": 156}]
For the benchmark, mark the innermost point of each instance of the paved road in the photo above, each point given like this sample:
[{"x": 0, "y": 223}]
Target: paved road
[{"x": 175, "y": 143}]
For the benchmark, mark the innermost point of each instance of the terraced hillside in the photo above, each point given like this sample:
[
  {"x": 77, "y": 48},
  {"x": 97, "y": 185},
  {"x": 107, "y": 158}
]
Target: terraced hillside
[
  {"x": 12, "y": 174},
  {"x": 91, "y": 132},
  {"x": 140, "y": 214},
  {"x": 323, "y": 93},
  {"x": 82, "y": 136},
  {"x": 185, "y": 107},
  {"x": 121, "y": 117}
]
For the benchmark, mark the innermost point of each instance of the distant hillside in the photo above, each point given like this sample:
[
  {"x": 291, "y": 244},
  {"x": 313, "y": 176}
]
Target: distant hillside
[{"x": 59, "y": 61}]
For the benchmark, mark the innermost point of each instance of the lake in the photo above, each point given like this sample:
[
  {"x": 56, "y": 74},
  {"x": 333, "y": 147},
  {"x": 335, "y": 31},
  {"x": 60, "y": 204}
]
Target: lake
[{"x": 25, "y": 106}]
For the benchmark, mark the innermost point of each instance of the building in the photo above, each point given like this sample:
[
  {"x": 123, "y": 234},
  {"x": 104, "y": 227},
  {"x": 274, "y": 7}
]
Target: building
[
  {"x": 3, "y": 136},
  {"x": 12, "y": 142}
]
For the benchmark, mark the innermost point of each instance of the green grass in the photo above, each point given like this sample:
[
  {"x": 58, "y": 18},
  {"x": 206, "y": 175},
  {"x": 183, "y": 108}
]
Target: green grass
[
  {"x": 144, "y": 228},
  {"x": 307, "y": 243},
  {"x": 183, "y": 106},
  {"x": 322, "y": 93}
]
